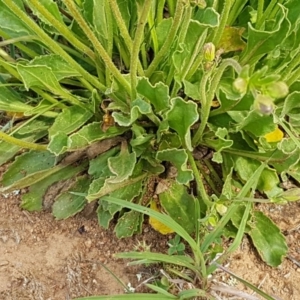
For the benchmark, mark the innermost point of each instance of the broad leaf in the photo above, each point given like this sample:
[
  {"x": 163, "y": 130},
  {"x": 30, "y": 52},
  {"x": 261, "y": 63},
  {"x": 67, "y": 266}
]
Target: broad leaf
[
  {"x": 68, "y": 204},
  {"x": 158, "y": 95},
  {"x": 178, "y": 157},
  {"x": 128, "y": 224},
  {"x": 69, "y": 120},
  {"x": 181, "y": 116},
  {"x": 179, "y": 205},
  {"x": 268, "y": 240}
]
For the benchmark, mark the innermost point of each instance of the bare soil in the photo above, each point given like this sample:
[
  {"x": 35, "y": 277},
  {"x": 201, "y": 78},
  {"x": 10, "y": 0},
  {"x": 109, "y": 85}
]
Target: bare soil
[{"x": 45, "y": 259}]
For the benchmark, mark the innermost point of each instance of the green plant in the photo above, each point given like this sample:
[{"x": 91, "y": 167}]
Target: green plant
[
  {"x": 175, "y": 246},
  {"x": 111, "y": 96}
]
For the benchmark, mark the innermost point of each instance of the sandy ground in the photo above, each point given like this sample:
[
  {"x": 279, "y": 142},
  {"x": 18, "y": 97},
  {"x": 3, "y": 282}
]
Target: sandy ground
[{"x": 45, "y": 259}]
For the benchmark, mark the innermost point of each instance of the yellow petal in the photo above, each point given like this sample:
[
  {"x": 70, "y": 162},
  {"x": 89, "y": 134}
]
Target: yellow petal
[
  {"x": 274, "y": 136},
  {"x": 158, "y": 226}
]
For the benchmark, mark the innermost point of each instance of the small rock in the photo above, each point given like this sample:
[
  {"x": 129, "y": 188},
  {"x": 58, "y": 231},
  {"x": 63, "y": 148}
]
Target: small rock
[{"x": 88, "y": 243}]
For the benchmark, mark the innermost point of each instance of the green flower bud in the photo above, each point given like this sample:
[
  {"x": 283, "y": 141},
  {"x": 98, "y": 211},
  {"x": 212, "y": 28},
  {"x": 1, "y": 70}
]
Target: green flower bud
[
  {"x": 277, "y": 89},
  {"x": 264, "y": 104},
  {"x": 240, "y": 85},
  {"x": 209, "y": 51}
]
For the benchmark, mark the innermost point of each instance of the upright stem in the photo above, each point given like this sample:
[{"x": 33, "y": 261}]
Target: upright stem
[
  {"x": 207, "y": 100},
  {"x": 224, "y": 17},
  {"x": 169, "y": 40},
  {"x": 200, "y": 186},
  {"x": 110, "y": 38},
  {"x": 139, "y": 35},
  {"x": 260, "y": 10},
  {"x": 53, "y": 45},
  {"x": 266, "y": 13},
  {"x": 123, "y": 30},
  {"x": 97, "y": 45}
]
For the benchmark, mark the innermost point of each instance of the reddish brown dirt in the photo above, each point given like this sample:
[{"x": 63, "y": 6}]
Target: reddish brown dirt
[{"x": 45, "y": 259}]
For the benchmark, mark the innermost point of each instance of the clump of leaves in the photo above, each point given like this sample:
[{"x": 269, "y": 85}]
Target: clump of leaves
[{"x": 115, "y": 100}]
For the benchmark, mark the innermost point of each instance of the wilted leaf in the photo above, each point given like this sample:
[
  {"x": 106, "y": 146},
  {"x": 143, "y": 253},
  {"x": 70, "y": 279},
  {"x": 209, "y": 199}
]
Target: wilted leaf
[
  {"x": 155, "y": 224},
  {"x": 231, "y": 39}
]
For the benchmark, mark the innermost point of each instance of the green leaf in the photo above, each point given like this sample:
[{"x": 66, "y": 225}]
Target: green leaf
[
  {"x": 220, "y": 144},
  {"x": 121, "y": 166},
  {"x": 11, "y": 24},
  {"x": 267, "y": 181},
  {"x": 58, "y": 143},
  {"x": 8, "y": 150},
  {"x": 181, "y": 116},
  {"x": 33, "y": 200},
  {"x": 69, "y": 120},
  {"x": 51, "y": 7},
  {"x": 60, "y": 68},
  {"x": 255, "y": 123},
  {"x": 39, "y": 76},
  {"x": 91, "y": 133},
  {"x": 139, "y": 107},
  {"x": 268, "y": 240},
  {"x": 179, "y": 205},
  {"x": 178, "y": 157},
  {"x": 68, "y": 204},
  {"x": 129, "y": 297},
  {"x": 165, "y": 219},
  {"x": 158, "y": 95},
  {"x": 98, "y": 166},
  {"x": 26, "y": 165},
  {"x": 262, "y": 42},
  {"x": 12, "y": 101},
  {"x": 128, "y": 224}
]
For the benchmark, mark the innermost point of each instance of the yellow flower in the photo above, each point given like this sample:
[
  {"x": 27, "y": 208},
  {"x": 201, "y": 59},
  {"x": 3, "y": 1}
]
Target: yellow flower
[
  {"x": 155, "y": 224},
  {"x": 274, "y": 136}
]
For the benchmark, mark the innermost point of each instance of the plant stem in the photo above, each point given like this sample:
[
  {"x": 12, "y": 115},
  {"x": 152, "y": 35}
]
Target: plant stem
[
  {"x": 266, "y": 13},
  {"x": 288, "y": 74},
  {"x": 235, "y": 10},
  {"x": 260, "y": 10},
  {"x": 213, "y": 172},
  {"x": 159, "y": 11},
  {"x": 224, "y": 17},
  {"x": 97, "y": 45},
  {"x": 206, "y": 101},
  {"x": 198, "y": 135},
  {"x": 123, "y": 30},
  {"x": 54, "y": 46},
  {"x": 63, "y": 29},
  {"x": 110, "y": 38},
  {"x": 169, "y": 40},
  {"x": 207, "y": 178},
  {"x": 139, "y": 35},
  {"x": 27, "y": 145},
  {"x": 198, "y": 179},
  {"x": 40, "y": 92}
]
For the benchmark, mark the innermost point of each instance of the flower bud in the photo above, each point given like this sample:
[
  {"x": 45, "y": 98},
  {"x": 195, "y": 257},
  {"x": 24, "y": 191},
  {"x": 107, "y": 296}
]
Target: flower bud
[
  {"x": 277, "y": 89},
  {"x": 209, "y": 51},
  {"x": 264, "y": 104},
  {"x": 240, "y": 85}
]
